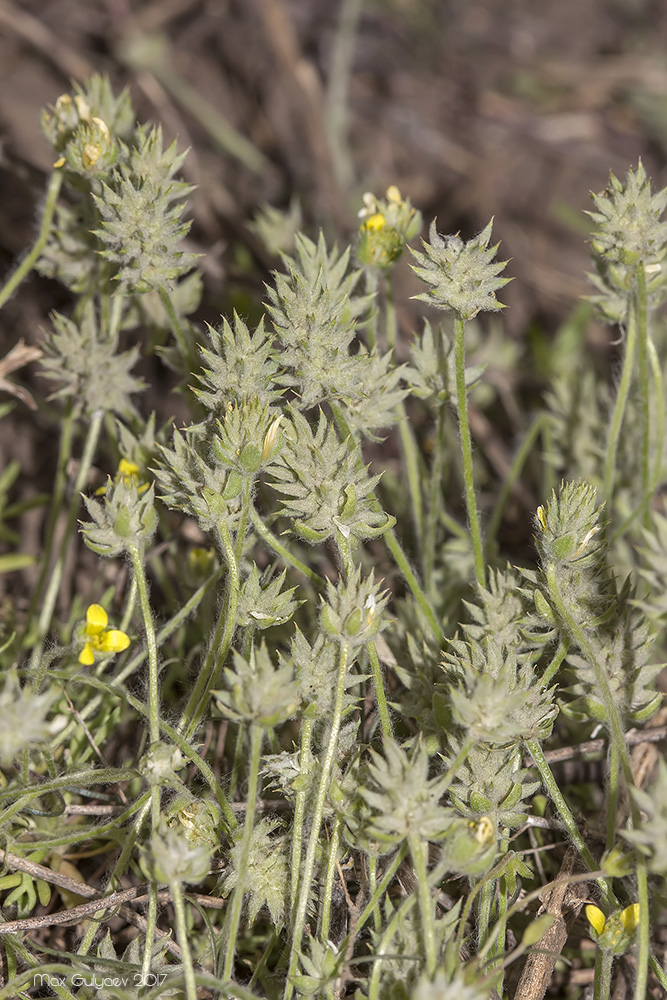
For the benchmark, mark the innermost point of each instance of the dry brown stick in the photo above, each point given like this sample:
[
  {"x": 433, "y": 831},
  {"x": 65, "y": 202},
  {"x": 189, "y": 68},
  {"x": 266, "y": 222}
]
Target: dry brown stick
[
  {"x": 559, "y": 900},
  {"x": 76, "y": 913},
  {"x": 632, "y": 738}
]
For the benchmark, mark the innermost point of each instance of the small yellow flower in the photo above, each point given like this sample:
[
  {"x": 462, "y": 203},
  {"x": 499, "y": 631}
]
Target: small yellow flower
[
  {"x": 128, "y": 472},
  {"x": 596, "y": 918},
  {"x": 375, "y": 222},
  {"x": 630, "y": 917},
  {"x": 98, "y": 639},
  {"x": 615, "y": 932},
  {"x": 393, "y": 194}
]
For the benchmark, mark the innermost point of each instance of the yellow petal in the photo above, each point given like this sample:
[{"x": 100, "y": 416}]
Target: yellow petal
[
  {"x": 393, "y": 194},
  {"x": 96, "y": 619},
  {"x": 596, "y": 918},
  {"x": 86, "y": 656},
  {"x": 376, "y": 221},
  {"x": 630, "y": 917},
  {"x": 113, "y": 641},
  {"x": 127, "y": 468}
]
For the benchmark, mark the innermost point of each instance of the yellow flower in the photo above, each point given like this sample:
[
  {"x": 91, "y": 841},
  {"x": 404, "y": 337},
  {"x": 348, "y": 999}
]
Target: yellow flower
[
  {"x": 615, "y": 932},
  {"x": 98, "y": 638},
  {"x": 128, "y": 472},
  {"x": 376, "y": 221},
  {"x": 596, "y": 918},
  {"x": 630, "y": 917}
]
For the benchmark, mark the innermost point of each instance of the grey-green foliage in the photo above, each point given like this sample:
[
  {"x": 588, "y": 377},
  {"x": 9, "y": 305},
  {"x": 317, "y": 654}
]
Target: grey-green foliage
[
  {"x": 577, "y": 404},
  {"x": 650, "y": 836},
  {"x": 324, "y": 487},
  {"x": 653, "y": 569},
  {"x": 353, "y": 610},
  {"x": 315, "y": 311},
  {"x": 89, "y": 370},
  {"x": 267, "y": 874},
  {"x": 629, "y": 231},
  {"x": 316, "y": 667},
  {"x": 495, "y": 697},
  {"x": 212, "y": 464},
  {"x": 499, "y": 611},
  {"x": 263, "y": 602},
  {"x": 573, "y": 555},
  {"x": 258, "y": 692},
  {"x": 463, "y": 276},
  {"x": 119, "y": 216},
  {"x": 623, "y": 647},
  {"x": 492, "y": 782},
  {"x": 123, "y": 520},
  {"x": 238, "y": 366},
  {"x": 432, "y": 375},
  {"x": 403, "y": 798},
  {"x": 140, "y": 208}
]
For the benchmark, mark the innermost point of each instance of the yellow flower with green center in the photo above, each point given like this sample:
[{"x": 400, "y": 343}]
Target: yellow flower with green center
[
  {"x": 98, "y": 639},
  {"x": 386, "y": 225},
  {"x": 128, "y": 472},
  {"x": 615, "y": 932},
  {"x": 375, "y": 221}
]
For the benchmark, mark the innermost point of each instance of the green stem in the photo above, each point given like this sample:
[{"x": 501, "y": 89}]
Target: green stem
[
  {"x": 644, "y": 928},
  {"x": 167, "y": 630},
  {"x": 383, "y": 944},
  {"x": 644, "y": 393},
  {"x": 658, "y": 420},
  {"x": 658, "y": 972},
  {"x": 313, "y": 840},
  {"x": 256, "y": 734},
  {"x": 522, "y": 454},
  {"x": 435, "y": 499},
  {"x": 619, "y": 408},
  {"x": 378, "y": 892},
  {"x": 554, "y": 792},
  {"x": 612, "y": 795},
  {"x": 420, "y": 597},
  {"x": 554, "y": 666},
  {"x": 184, "y": 347},
  {"x": 277, "y": 546},
  {"x": 410, "y": 452},
  {"x": 183, "y": 941},
  {"x": 604, "y": 960},
  {"x": 372, "y": 324},
  {"x": 485, "y": 902},
  {"x": 222, "y": 640},
  {"x": 418, "y": 851},
  {"x": 390, "y": 321},
  {"x": 300, "y": 810},
  {"x": 380, "y": 697},
  {"x": 453, "y": 768},
  {"x": 330, "y": 877},
  {"x": 151, "y": 920},
  {"x": 29, "y": 261},
  {"x": 578, "y": 633},
  {"x": 151, "y": 645},
  {"x": 466, "y": 452},
  {"x": 36, "y": 661}
]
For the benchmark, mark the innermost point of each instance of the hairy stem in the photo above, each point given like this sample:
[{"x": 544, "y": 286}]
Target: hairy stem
[
  {"x": 309, "y": 862},
  {"x": 466, "y": 452},
  {"x": 256, "y": 734}
]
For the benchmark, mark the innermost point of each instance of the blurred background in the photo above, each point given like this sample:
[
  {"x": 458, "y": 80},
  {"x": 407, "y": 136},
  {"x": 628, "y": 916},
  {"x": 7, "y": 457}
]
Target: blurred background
[{"x": 504, "y": 108}]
